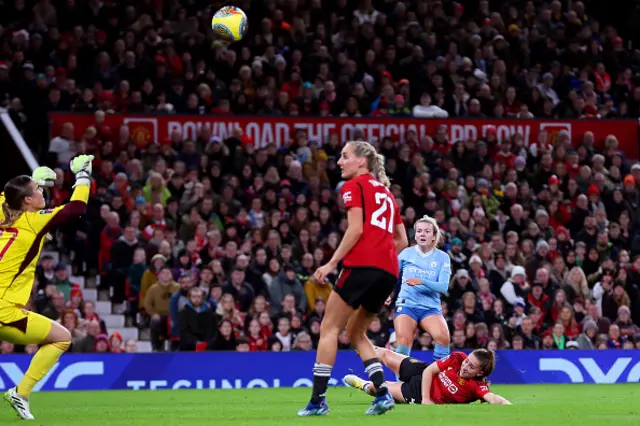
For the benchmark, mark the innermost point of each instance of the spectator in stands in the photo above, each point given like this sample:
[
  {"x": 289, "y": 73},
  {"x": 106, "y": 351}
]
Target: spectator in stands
[
  {"x": 131, "y": 347},
  {"x": 150, "y": 276},
  {"x": 286, "y": 283},
  {"x": 88, "y": 312},
  {"x": 102, "y": 343},
  {"x": 135, "y": 273},
  {"x": 530, "y": 338},
  {"x": 121, "y": 260},
  {"x": 197, "y": 321},
  {"x": 302, "y": 342},
  {"x": 71, "y": 322},
  {"x": 115, "y": 343},
  {"x": 156, "y": 305},
  {"x": 87, "y": 344},
  {"x": 6, "y": 348},
  {"x": 45, "y": 272},
  {"x": 109, "y": 235},
  {"x": 587, "y": 339},
  {"x": 225, "y": 340},
  {"x": 178, "y": 301},
  {"x": 56, "y": 307},
  {"x": 61, "y": 279},
  {"x": 241, "y": 291}
]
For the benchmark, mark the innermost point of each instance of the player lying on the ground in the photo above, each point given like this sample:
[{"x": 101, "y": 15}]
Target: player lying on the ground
[{"x": 458, "y": 379}]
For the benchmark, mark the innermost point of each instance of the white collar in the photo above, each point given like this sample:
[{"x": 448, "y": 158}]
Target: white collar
[{"x": 427, "y": 254}]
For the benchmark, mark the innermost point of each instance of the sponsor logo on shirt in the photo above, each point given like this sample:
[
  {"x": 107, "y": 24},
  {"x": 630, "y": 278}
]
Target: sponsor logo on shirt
[
  {"x": 346, "y": 197},
  {"x": 451, "y": 387},
  {"x": 46, "y": 211}
]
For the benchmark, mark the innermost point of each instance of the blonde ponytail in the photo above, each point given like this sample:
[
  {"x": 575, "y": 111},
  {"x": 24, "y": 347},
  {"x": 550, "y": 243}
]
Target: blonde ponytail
[
  {"x": 379, "y": 171},
  {"x": 10, "y": 215},
  {"x": 375, "y": 161}
]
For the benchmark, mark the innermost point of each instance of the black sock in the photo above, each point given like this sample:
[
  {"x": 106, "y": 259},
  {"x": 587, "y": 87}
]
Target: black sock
[
  {"x": 376, "y": 374},
  {"x": 321, "y": 376}
]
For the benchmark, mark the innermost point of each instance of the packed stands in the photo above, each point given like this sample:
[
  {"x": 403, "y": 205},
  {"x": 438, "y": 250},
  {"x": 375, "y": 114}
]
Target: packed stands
[{"x": 206, "y": 241}]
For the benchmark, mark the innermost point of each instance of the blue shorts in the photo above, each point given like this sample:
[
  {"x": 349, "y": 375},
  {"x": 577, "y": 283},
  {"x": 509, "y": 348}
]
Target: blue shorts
[{"x": 418, "y": 314}]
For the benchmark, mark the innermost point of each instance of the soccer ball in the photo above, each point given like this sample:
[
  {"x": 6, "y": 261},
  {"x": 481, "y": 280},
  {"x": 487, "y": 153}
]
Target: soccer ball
[{"x": 229, "y": 23}]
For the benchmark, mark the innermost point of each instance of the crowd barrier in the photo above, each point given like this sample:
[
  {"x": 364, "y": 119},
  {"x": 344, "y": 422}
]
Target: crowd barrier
[
  {"x": 279, "y": 130},
  {"x": 230, "y": 370}
]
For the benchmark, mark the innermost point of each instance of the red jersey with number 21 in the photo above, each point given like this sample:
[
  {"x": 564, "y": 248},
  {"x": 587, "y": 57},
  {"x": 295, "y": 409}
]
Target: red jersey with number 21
[
  {"x": 375, "y": 248},
  {"x": 449, "y": 388}
]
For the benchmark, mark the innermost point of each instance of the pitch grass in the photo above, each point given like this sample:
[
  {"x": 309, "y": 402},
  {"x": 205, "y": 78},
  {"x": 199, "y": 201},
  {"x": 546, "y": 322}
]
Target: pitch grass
[{"x": 540, "y": 405}]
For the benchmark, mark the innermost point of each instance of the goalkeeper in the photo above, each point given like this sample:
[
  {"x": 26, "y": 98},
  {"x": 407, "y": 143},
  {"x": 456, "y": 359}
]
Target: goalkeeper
[{"x": 24, "y": 222}]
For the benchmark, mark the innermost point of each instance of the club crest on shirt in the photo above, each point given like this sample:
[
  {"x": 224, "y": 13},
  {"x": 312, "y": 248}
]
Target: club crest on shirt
[
  {"x": 461, "y": 381},
  {"x": 346, "y": 197},
  {"x": 434, "y": 264}
]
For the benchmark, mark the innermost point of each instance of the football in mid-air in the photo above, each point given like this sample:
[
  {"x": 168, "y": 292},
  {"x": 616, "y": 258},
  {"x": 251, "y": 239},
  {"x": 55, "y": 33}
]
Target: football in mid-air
[{"x": 229, "y": 23}]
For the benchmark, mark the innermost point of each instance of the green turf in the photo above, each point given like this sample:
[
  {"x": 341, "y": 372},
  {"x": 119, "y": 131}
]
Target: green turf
[{"x": 542, "y": 405}]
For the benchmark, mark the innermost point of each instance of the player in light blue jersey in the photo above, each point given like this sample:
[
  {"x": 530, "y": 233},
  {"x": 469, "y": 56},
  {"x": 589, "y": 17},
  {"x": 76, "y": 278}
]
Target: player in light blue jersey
[{"x": 425, "y": 272}]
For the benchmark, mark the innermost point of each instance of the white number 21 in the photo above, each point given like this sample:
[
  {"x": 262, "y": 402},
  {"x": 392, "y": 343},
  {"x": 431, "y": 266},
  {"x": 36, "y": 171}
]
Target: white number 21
[{"x": 384, "y": 201}]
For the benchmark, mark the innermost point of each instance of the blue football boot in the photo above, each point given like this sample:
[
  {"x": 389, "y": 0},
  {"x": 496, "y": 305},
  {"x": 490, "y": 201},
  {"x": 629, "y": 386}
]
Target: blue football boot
[
  {"x": 315, "y": 409},
  {"x": 381, "y": 405}
]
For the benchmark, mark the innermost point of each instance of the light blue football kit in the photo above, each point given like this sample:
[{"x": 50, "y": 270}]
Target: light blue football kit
[{"x": 434, "y": 270}]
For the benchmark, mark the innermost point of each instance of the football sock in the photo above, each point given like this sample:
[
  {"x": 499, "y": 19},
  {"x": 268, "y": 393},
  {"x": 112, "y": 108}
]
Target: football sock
[
  {"x": 440, "y": 352},
  {"x": 321, "y": 375},
  {"x": 40, "y": 365},
  {"x": 376, "y": 374},
  {"x": 404, "y": 350}
]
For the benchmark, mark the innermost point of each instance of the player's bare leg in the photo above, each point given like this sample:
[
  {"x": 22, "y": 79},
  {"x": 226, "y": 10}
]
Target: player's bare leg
[
  {"x": 55, "y": 344},
  {"x": 336, "y": 316},
  {"x": 437, "y": 327},
  {"x": 390, "y": 359},
  {"x": 405, "y": 328},
  {"x": 356, "y": 330},
  {"x": 395, "y": 388}
]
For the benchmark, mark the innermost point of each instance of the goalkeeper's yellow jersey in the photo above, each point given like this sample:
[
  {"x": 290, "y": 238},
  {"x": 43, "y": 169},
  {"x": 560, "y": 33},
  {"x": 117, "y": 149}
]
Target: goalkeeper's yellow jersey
[{"x": 21, "y": 244}]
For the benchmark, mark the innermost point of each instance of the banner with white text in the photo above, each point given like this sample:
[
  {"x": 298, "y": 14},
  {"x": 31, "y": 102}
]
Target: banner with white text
[
  {"x": 264, "y": 130},
  {"x": 230, "y": 370}
]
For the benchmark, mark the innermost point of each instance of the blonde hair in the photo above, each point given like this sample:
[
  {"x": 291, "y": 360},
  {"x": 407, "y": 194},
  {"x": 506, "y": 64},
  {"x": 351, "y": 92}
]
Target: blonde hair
[
  {"x": 436, "y": 229},
  {"x": 15, "y": 192},
  {"x": 375, "y": 161},
  {"x": 10, "y": 215}
]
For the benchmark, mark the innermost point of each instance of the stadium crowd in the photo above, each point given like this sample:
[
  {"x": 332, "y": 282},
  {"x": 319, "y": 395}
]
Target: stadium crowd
[{"x": 211, "y": 242}]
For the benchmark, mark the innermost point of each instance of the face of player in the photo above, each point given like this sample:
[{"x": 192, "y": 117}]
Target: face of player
[
  {"x": 470, "y": 367},
  {"x": 425, "y": 236},
  {"x": 35, "y": 201},
  {"x": 349, "y": 164}
]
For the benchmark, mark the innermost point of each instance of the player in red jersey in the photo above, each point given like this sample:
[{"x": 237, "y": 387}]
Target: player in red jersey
[
  {"x": 369, "y": 252},
  {"x": 456, "y": 379}
]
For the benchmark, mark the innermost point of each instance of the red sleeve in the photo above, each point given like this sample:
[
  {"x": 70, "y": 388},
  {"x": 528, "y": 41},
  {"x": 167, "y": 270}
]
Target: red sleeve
[
  {"x": 481, "y": 389},
  {"x": 351, "y": 195},
  {"x": 454, "y": 361}
]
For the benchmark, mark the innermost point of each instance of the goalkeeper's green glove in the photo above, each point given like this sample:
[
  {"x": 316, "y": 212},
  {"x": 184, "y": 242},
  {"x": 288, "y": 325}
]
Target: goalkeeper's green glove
[
  {"x": 81, "y": 167},
  {"x": 44, "y": 176}
]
